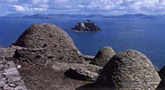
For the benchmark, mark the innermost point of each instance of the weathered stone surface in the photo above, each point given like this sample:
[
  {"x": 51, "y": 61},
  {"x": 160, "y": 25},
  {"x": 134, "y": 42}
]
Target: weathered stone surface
[
  {"x": 103, "y": 56},
  {"x": 53, "y": 39},
  {"x": 129, "y": 70},
  {"x": 9, "y": 76},
  {"x": 49, "y": 77},
  {"x": 86, "y": 26},
  {"x": 88, "y": 58},
  {"x": 33, "y": 56},
  {"x": 7, "y": 52},
  {"x": 83, "y": 72}
]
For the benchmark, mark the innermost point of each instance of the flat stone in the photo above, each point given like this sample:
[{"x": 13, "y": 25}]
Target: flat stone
[
  {"x": 2, "y": 59},
  {"x": 10, "y": 71},
  {"x": 1, "y": 66},
  {"x": 9, "y": 77},
  {"x": 13, "y": 79},
  {"x": 9, "y": 64},
  {"x": 19, "y": 83},
  {"x": 20, "y": 88},
  {"x": 2, "y": 83},
  {"x": 7, "y": 52},
  {"x": 83, "y": 72},
  {"x": 11, "y": 85},
  {"x": 6, "y": 87}
]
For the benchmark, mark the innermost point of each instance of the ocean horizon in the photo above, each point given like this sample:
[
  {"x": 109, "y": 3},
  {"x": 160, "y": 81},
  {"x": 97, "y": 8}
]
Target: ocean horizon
[{"x": 144, "y": 35}]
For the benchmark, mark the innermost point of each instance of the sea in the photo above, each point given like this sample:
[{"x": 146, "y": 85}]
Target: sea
[{"x": 144, "y": 35}]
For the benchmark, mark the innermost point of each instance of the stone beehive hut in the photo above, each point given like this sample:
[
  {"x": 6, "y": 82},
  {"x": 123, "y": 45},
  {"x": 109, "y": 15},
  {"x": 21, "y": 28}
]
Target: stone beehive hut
[
  {"x": 55, "y": 42},
  {"x": 103, "y": 56},
  {"x": 128, "y": 70}
]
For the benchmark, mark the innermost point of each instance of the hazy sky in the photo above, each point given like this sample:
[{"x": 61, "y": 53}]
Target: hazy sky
[{"x": 106, "y": 7}]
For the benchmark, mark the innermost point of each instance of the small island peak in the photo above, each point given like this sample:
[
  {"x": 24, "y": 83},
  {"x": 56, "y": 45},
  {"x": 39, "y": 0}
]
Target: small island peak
[{"x": 86, "y": 26}]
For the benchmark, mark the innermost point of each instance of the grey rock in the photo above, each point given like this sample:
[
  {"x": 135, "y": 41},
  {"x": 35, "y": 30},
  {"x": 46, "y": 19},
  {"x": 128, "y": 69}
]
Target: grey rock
[
  {"x": 6, "y": 87},
  {"x": 86, "y": 26},
  {"x": 129, "y": 70},
  {"x": 88, "y": 58},
  {"x": 84, "y": 72},
  {"x": 11, "y": 85},
  {"x": 2, "y": 59},
  {"x": 54, "y": 40},
  {"x": 32, "y": 56},
  {"x": 7, "y": 52},
  {"x": 20, "y": 88},
  {"x": 2, "y": 83},
  {"x": 103, "y": 56},
  {"x": 9, "y": 76}
]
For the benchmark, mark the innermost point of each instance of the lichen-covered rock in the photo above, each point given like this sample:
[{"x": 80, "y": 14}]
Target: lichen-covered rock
[
  {"x": 129, "y": 70},
  {"x": 53, "y": 39},
  {"x": 103, "y": 56},
  {"x": 84, "y": 72}
]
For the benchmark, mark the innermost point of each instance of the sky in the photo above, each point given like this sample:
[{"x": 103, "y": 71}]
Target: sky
[{"x": 104, "y": 7}]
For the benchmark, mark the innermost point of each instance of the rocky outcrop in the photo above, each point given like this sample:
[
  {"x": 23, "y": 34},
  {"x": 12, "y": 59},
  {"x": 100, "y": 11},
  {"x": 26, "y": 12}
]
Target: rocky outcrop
[
  {"x": 128, "y": 70},
  {"x": 103, "y": 56},
  {"x": 86, "y": 26},
  {"x": 83, "y": 72},
  {"x": 53, "y": 40}
]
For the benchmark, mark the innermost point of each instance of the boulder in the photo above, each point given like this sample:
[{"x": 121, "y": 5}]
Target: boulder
[
  {"x": 103, "y": 56},
  {"x": 52, "y": 39},
  {"x": 83, "y": 72},
  {"x": 128, "y": 70},
  {"x": 86, "y": 26}
]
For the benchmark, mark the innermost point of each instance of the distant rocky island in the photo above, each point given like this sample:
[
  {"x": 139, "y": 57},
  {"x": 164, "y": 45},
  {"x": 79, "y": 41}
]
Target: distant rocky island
[
  {"x": 45, "y": 58},
  {"x": 86, "y": 26}
]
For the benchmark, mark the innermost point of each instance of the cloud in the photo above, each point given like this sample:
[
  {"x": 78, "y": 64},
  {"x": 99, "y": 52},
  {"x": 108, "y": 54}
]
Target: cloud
[
  {"x": 107, "y": 7},
  {"x": 19, "y": 8}
]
